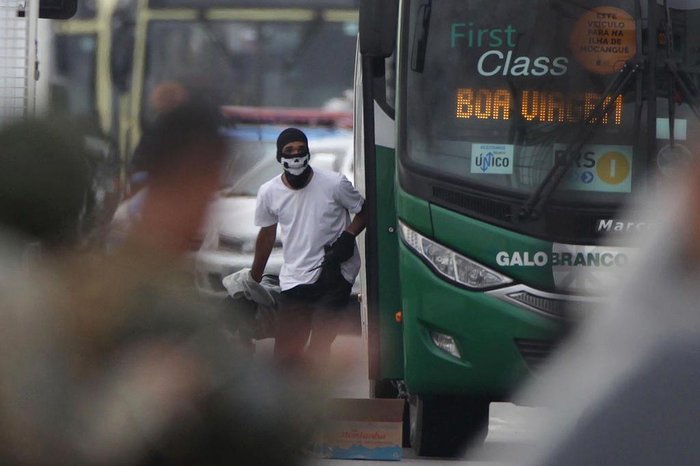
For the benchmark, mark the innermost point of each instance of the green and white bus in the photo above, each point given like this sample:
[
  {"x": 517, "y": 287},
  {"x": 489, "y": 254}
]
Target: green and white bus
[{"x": 496, "y": 142}]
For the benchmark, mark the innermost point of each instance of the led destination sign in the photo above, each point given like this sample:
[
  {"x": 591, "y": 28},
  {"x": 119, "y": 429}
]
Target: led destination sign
[{"x": 535, "y": 106}]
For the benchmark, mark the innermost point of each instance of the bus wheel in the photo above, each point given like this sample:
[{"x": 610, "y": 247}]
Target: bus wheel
[{"x": 446, "y": 425}]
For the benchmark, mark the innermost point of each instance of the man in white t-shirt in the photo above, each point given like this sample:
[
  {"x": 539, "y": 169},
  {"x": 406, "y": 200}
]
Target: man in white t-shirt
[{"x": 321, "y": 260}]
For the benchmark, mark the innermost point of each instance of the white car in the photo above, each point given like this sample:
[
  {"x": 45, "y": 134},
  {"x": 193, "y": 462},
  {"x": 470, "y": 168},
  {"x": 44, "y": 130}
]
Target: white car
[{"x": 230, "y": 234}]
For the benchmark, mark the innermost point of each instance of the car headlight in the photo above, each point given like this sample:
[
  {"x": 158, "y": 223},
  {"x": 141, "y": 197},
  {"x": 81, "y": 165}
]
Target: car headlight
[{"x": 451, "y": 264}]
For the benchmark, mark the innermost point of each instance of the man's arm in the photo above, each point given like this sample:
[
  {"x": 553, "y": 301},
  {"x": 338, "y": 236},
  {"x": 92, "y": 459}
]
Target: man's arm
[
  {"x": 344, "y": 247},
  {"x": 263, "y": 248},
  {"x": 359, "y": 222}
]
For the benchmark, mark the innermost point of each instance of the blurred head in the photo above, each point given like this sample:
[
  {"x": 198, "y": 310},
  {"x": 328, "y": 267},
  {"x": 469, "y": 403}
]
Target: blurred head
[
  {"x": 183, "y": 154},
  {"x": 176, "y": 135},
  {"x": 166, "y": 96},
  {"x": 45, "y": 181}
]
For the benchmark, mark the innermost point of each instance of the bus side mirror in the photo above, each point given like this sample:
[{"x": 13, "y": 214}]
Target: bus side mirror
[
  {"x": 57, "y": 9},
  {"x": 378, "y": 23}
]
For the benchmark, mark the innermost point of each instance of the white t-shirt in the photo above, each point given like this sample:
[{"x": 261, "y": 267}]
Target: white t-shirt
[{"x": 309, "y": 218}]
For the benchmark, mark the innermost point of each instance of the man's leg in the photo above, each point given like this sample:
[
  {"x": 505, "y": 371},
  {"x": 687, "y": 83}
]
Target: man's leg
[
  {"x": 293, "y": 326},
  {"x": 326, "y": 318}
]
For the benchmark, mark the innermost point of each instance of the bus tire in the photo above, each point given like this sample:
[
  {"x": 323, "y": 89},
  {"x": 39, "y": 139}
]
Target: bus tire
[{"x": 445, "y": 425}]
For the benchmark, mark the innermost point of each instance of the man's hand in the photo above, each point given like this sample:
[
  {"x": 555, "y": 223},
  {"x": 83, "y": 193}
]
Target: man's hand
[{"x": 341, "y": 250}]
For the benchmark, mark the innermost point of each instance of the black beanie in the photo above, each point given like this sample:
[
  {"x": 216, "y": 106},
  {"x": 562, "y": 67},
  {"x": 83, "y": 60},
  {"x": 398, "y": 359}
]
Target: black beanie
[{"x": 287, "y": 136}]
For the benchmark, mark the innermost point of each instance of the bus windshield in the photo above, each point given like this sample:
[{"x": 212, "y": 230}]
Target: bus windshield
[
  {"x": 268, "y": 62},
  {"x": 523, "y": 83}
]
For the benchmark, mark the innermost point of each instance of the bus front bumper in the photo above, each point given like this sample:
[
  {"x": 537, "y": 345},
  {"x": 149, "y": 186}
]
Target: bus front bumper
[{"x": 498, "y": 342}]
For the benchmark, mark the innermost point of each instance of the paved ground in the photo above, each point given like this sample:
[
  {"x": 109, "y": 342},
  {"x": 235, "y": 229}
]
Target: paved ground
[{"x": 512, "y": 429}]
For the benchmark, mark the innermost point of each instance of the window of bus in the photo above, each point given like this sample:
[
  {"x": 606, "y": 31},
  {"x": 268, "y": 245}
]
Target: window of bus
[
  {"x": 87, "y": 9},
  {"x": 73, "y": 83},
  {"x": 305, "y": 62},
  {"x": 498, "y": 92}
]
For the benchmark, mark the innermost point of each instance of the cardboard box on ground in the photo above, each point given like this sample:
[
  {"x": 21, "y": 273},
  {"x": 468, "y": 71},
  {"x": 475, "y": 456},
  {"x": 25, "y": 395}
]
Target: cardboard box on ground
[{"x": 361, "y": 429}]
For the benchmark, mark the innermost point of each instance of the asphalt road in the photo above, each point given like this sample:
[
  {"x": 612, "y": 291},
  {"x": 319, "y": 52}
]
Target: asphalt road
[{"x": 512, "y": 429}]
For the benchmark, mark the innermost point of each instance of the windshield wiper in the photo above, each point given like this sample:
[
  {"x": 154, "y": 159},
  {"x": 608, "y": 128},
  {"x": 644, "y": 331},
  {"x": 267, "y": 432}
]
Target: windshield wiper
[
  {"x": 532, "y": 207},
  {"x": 216, "y": 38},
  {"x": 671, "y": 88},
  {"x": 420, "y": 37},
  {"x": 308, "y": 34},
  {"x": 680, "y": 78},
  {"x": 686, "y": 85}
]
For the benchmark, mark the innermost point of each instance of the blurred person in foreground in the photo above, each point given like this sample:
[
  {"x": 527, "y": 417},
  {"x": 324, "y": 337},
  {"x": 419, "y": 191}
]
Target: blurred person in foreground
[
  {"x": 45, "y": 186},
  {"x": 312, "y": 208},
  {"x": 625, "y": 390},
  {"x": 111, "y": 359},
  {"x": 165, "y": 97}
]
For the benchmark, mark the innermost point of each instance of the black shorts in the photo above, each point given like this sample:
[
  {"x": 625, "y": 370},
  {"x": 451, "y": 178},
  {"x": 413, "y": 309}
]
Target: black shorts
[{"x": 330, "y": 292}]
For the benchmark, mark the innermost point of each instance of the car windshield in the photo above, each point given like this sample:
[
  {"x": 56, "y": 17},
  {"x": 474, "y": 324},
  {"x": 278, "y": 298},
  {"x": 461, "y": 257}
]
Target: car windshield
[
  {"x": 251, "y": 163},
  {"x": 252, "y": 157}
]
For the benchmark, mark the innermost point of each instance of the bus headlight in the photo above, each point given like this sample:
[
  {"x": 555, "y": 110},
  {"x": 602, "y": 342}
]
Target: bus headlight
[{"x": 451, "y": 264}]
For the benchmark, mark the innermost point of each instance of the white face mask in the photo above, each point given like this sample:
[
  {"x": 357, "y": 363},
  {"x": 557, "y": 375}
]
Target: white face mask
[{"x": 295, "y": 165}]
